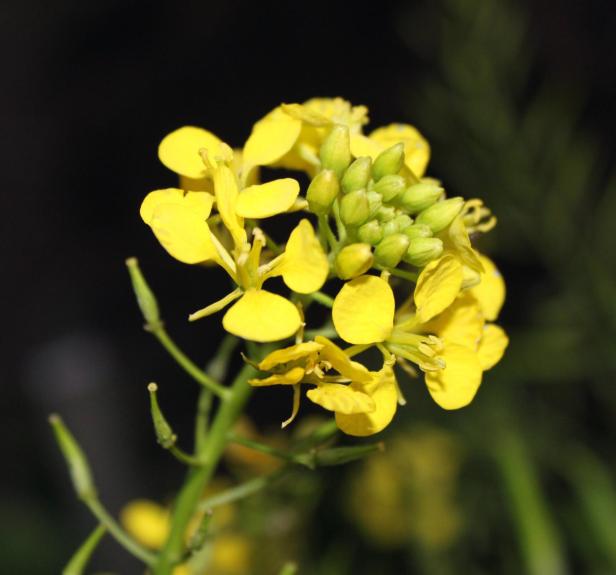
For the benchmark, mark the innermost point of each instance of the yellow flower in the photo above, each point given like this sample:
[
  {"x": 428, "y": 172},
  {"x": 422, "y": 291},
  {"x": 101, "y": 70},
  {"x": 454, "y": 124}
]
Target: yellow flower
[
  {"x": 445, "y": 334},
  {"x": 364, "y": 402},
  {"x": 290, "y": 135},
  {"x": 179, "y": 220}
]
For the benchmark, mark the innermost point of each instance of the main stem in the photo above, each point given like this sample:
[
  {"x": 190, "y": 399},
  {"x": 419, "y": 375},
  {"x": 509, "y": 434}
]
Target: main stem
[{"x": 197, "y": 479}]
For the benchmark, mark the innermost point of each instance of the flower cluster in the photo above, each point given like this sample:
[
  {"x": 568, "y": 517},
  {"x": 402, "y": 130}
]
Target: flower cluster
[{"x": 388, "y": 242}]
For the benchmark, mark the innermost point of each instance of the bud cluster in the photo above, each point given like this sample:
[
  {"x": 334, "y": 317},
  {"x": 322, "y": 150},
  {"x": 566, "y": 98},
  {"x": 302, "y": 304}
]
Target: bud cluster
[{"x": 390, "y": 216}]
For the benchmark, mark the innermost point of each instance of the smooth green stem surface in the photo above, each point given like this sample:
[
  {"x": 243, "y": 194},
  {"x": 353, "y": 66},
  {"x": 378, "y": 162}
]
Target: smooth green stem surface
[
  {"x": 242, "y": 490},
  {"x": 407, "y": 275},
  {"x": 262, "y": 448},
  {"x": 202, "y": 419},
  {"x": 81, "y": 557},
  {"x": 323, "y": 299},
  {"x": 188, "y": 365},
  {"x": 188, "y": 498},
  {"x": 326, "y": 229},
  {"x": 537, "y": 533},
  {"x": 117, "y": 532},
  {"x": 184, "y": 457}
]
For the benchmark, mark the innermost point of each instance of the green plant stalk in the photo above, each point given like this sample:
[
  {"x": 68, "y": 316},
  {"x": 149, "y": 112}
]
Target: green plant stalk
[
  {"x": 80, "y": 559},
  {"x": 187, "y": 364},
  {"x": 539, "y": 540},
  {"x": 197, "y": 479},
  {"x": 97, "y": 509}
]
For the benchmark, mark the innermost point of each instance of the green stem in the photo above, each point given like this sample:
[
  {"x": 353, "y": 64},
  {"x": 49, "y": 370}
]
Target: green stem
[
  {"x": 117, "y": 532},
  {"x": 204, "y": 406},
  {"x": 184, "y": 457},
  {"x": 242, "y": 490},
  {"x": 81, "y": 557},
  {"x": 325, "y": 228},
  {"x": 323, "y": 299},
  {"x": 187, "y": 364},
  {"x": 267, "y": 449},
  {"x": 197, "y": 479}
]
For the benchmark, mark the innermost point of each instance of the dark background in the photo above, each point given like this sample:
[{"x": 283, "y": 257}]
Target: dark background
[{"x": 90, "y": 88}]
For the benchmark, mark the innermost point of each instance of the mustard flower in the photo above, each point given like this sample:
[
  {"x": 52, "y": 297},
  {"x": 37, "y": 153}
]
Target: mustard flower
[{"x": 179, "y": 220}]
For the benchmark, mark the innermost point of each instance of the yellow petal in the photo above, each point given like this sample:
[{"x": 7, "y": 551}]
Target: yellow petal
[
  {"x": 437, "y": 286},
  {"x": 271, "y": 138},
  {"x": 262, "y": 316},
  {"x": 490, "y": 292},
  {"x": 416, "y": 147},
  {"x": 462, "y": 323},
  {"x": 199, "y": 202},
  {"x": 456, "y": 385},
  {"x": 304, "y": 266},
  {"x": 288, "y": 354},
  {"x": 460, "y": 244},
  {"x": 147, "y": 522},
  {"x": 385, "y": 395},
  {"x": 363, "y": 146},
  {"x": 341, "y": 362},
  {"x": 363, "y": 310},
  {"x": 492, "y": 346},
  {"x": 269, "y": 199},
  {"x": 291, "y": 377},
  {"x": 306, "y": 115},
  {"x": 341, "y": 398},
  {"x": 225, "y": 187},
  {"x": 184, "y": 234},
  {"x": 179, "y": 150}
]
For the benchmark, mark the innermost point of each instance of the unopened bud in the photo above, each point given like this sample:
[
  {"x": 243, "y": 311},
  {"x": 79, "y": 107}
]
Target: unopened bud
[
  {"x": 353, "y": 260},
  {"x": 335, "y": 151},
  {"x": 322, "y": 192},
  {"x": 357, "y": 175},
  {"x": 397, "y": 225},
  {"x": 389, "y": 161},
  {"x": 441, "y": 214},
  {"x": 375, "y": 201},
  {"x": 391, "y": 250},
  {"x": 417, "y": 231},
  {"x": 75, "y": 458},
  {"x": 164, "y": 434},
  {"x": 420, "y": 196},
  {"x": 386, "y": 213},
  {"x": 390, "y": 187},
  {"x": 371, "y": 232},
  {"x": 422, "y": 251},
  {"x": 146, "y": 300},
  {"x": 354, "y": 208}
]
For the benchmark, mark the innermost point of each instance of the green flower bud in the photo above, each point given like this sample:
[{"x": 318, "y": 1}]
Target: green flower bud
[
  {"x": 441, "y": 214},
  {"x": 386, "y": 213},
  {"x": 419, "y": 197},
  {"x": 322, "y": 192},
  {"x": 391, "y": 249},
  {"x": 145, "y": 298},
  {"x": 353, "y": 260},
  {"x": 397, "y": 225},
  {"x": 371, "y": 232},
  {"x": 422, "y": 251},
  {"x": 335, "y": 151},
  {"x": 357, "y": 175},
  {"x": 375, "y": 201},
  {"x": 389, "y": 161},
  {"x": 417, "y": 231},
  {"x": 390, "y": 187},
  {"x": 164, "y": 434},
  {"x": 75, "y": 458},
  {"x": 354, "y": 208}
]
